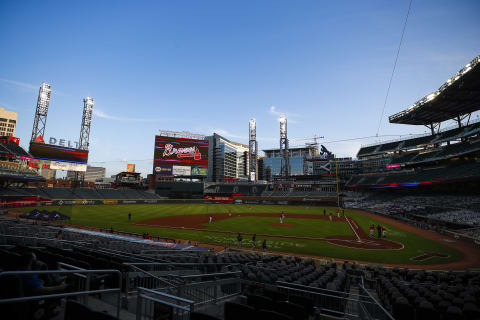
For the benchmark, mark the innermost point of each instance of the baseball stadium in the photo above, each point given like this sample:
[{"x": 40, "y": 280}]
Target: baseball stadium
[
  {"x": 218, "y": 229},
  {"x": 392, "y": 234}
]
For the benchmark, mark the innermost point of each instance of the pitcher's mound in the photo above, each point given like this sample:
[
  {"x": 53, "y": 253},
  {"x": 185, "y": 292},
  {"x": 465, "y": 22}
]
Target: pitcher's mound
[{"x": 278, "y": 224}]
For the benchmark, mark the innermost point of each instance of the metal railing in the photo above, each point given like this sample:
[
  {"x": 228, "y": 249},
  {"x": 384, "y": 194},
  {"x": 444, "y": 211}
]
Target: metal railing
[
  {"x": 142, "y": 278},
  {"x": 153, "y": 304},
  {"x": 328, "y": 302},
  {"x": 82, "y": 292},
  {"x": 303, "y": 288},
  {"x": 369, "y": 308},
  {"x": 212, "y": 291}
]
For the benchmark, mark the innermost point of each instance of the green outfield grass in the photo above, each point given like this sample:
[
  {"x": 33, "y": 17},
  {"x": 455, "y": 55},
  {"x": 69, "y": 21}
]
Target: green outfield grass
[{"x": 116, "y": 216}]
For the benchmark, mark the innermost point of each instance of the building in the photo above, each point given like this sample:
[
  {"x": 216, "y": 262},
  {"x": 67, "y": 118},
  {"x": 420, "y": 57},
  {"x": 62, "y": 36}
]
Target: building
[
  {"x": 8, "y": 122},
  {"x": 104, "y": 183},
  {"x": 272, "y": 162},
  {"x": 92, "y": 174},
  {"x": 48, "y": 174},
  {"x": 227, "y": 159}
]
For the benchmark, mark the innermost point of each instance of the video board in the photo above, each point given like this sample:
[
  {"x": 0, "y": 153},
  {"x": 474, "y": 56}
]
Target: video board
[
  {"x": 180, "y": 156},
  {"x": 51, "y": 152}
]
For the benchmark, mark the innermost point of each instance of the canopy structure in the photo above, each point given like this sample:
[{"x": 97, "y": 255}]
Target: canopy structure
[{"x": 457, "y": 97}]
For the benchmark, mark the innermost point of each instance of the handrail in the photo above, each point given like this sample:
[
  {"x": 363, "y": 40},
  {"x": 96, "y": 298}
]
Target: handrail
[
  {"x": 210, "y": 274},
  {"x": 166, "y": 295},
  {"x": 376, "y": 302},
  {"x": 59, "y": 295},
  {"x": 178, "y": 263},
  {"x": 56, "y": 295},
  {"x": 152, "y": 275},
  {"x": 163, "y": 302},
  {"x": 288, "y": 285}
]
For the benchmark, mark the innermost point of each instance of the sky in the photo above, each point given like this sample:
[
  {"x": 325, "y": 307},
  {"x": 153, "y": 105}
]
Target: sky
[{"x": 209, "y": 66}]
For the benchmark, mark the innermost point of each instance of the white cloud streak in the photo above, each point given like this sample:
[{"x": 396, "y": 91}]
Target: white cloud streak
[
  {"x": 228, "y": 134},
  {"x": 20, "y": 84},
  {"x": 289, "y": 115},
  {"x": 30, "y": 86},
  {"x": 101, "y": 114}
]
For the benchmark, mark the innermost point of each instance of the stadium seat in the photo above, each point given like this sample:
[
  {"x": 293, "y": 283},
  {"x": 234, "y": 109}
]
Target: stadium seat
[
  {"x": 471, "y": 311},
  {"x": 453, "y": 313}
]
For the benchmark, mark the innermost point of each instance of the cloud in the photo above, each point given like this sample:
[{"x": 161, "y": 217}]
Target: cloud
[
  {"x": 225, "y": 133},
  {"x": 20, "y": 84},
  {"x": 101, "y": 114},
  {"x": 289, "y": 115},
  {"x": 30, "y": 87}
]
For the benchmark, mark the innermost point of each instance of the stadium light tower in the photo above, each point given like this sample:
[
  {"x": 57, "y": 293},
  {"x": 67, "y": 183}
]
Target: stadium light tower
[
  {"x": 252, "y": 149},
  {"x": 83, "y": 142},
  {"x": 285, "y": 170},
  {"x": 41, "y": 112}
]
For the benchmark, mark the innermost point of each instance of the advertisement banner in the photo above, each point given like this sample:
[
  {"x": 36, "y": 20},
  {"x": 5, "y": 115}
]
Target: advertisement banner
[
  {"x": 196, "y": 171},
  {"x": 129, "y": 201},
  {"x": 163, "y": 170},
  {"x": 252, "y": 176},
  {"x": 181, "y": 171},
  {"x": 68, "y": 166},
  {"x": 130, "y": 167}
]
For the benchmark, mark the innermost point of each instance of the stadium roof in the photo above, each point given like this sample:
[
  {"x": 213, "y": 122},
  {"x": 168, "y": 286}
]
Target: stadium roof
[{"x": 458, "y": 96}]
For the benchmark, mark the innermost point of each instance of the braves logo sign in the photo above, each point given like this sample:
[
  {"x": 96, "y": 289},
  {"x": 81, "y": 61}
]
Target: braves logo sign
[{"x": 189, "y": 152}]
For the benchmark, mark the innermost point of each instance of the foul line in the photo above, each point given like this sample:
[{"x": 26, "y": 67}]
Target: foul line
[{"x": 359, "y": 240}]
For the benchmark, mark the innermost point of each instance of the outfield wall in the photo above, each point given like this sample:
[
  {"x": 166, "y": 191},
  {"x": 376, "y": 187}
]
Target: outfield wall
[{"x": 242, "y": 200}]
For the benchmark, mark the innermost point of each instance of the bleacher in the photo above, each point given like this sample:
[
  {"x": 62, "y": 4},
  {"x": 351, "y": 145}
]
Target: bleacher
[
  {"x": 11, "y": 168},
  {"x": 244, "y": 189},
  {"x": 421, "y": 141},
  {"x": 15, "y": 171},
  {"x": 79, "y": 193},
  {"x": 418, "y": 294},
  {"x": 299, "y": 194},
  {"x": 436, "y": 174}
]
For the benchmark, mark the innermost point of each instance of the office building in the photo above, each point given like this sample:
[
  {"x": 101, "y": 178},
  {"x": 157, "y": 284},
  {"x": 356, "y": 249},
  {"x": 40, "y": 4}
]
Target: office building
[{"x": 8, "y": 122}]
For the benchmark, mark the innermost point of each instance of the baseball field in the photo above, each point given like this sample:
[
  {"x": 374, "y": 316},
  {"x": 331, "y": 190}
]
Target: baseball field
[{"x": 304, "y": 230}]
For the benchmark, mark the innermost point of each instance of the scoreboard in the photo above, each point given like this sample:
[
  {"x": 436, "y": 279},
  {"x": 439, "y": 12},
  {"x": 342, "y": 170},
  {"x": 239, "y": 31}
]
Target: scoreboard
[{"x": 180, "y": 156}]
